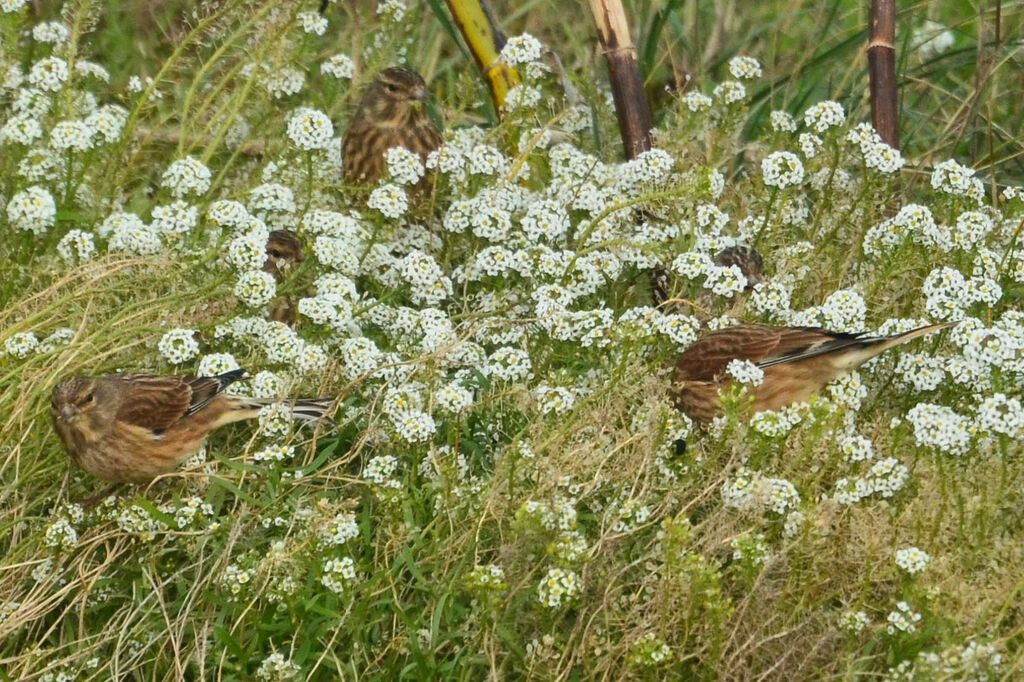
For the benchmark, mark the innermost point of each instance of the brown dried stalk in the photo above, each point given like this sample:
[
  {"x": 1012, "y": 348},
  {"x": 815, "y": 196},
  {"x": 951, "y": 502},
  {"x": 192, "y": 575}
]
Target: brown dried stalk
[{"x": 882, "y": 70}]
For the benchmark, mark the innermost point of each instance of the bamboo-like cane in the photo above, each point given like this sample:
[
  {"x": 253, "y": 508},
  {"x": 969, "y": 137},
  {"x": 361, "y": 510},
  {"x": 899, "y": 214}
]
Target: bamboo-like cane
[
  {"x": 882, "y": 70},
  {"x": 485, "y": 41},
  {"x": 631, "y": 105}
]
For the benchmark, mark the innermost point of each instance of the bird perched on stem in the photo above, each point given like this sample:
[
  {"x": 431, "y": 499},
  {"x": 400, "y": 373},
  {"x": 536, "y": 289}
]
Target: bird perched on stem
[
  {"x": 796, "y": 361},
  {"x": 131, "y": 428},
  {"x": 390, "y": 114}
]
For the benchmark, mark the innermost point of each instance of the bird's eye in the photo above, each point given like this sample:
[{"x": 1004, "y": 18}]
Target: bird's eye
[
  {"x": 88, "y": 398},
  {"x": 391, "y": 87},
  {"x": 276, "y": 253}
]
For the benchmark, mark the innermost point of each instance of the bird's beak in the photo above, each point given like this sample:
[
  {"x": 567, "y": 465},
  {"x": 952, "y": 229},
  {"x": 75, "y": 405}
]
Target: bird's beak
[
  {"x": 67, "y": 412},
  {"x": 419, "y": 94}
]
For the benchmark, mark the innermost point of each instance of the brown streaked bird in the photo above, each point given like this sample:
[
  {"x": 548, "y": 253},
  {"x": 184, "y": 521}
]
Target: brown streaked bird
[
  {"x": 797, "y": 362},
  {"x": 747, "y": 259},
  {"x": 390, "y": 114},
  {"x": 131, "y": 428},
  {"x": 284, "y": 251}
]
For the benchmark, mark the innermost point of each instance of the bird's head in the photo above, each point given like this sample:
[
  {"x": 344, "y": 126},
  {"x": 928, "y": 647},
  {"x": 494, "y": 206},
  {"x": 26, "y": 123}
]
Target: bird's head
[
  {"x": 284, "y": 249},
  {"x": 81, "y": 404},
  {"x": 393, "y": 94},
  {"x": 747, "y": 259}
]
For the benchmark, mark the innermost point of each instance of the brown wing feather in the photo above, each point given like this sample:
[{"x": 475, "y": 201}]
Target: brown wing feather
[
  {"x": 157, "y": 402},
  {"x": 709, "y": 356},
  {"x": 154, "y": 402},
  {"x": 799, "y": 343},
  {"x": 205, "y": 389}
]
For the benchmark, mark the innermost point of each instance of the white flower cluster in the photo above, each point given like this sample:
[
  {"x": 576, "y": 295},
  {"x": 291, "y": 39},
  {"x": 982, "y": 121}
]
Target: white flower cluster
[
  {"x": 32, "y": 210},
  {"x": 192, "y": 510},
  {"x": 178, "y": 346},
  {"x": 275, "y": 420},
  {"x": 255, "y": 288},
  {"x": 404, "y": 167},
  {"x": 174, "y": 220},
  {"x": 744, "y": 68},
  {"x": 509, "y": 364},
  {"x": 138, "y": 523},
  {"x": 75, "y": 136},
  {"x": 310, "y": 129},
  {"x": 276, "y": 667},
  {"x": 49, "y": 74},
  {"x": 312, "y": 23},
  {"x": 379, "y": 471},
  {"x": 60, "y": 534},
  {"x": 629, "y": 514},
  {"x": 940, "y": 427},
  {"x": 236, "y": 579},
  {"x": 76, "y": 245},
  {"x": 391, "y": 200},
  {"x": 186, "y": 176},
  {"x": 22, "y": 344},
  {"x": 750, "y": 490},
  {"x": 274, "y": 453},
  {"x": 427, "y": 281},
  {"x": 778, "y": 423},
  {"x": 696, "y": 101},
  {"x": 824, "y": 115},
  {"x": 854, "y": 621},
  {"x": 521, "y": 49},
  {"x": 487, "y": 577},
  {"x": 912, "y": 560},
  {"x": 51, "y": 32},
  {"x": 856, "y": 448},
  {"x": 338, "y": 574},
  {"x": 782, "y": 122},
  {"x": 339, "y": 66},
  {"x": 972, "y": 662},
  {"x": 999, "y": 414},
  {"x": 952, "y": 178},
  {"x": 557, "y": 399},
  {"x": 782, "y": 170},
  {"x": 877, "y": 154},
  {"x": 902, "y": 619},
  {"x": 885, "y": 477},
  {"x": 745, "y": 372},
  {"x": 339, "y": 530},
  {"x": 751, "y": 549},
  {"x": 557, "y": 587},
  {"x": 729, "y": 92}
]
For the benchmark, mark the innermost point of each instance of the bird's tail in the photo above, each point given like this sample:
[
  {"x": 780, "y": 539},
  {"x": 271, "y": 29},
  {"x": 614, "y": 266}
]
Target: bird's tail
[
  {"x": 897, "y": 339},
  {"x": 303, "y": 409},
  {"x": 872, "y": 346}
]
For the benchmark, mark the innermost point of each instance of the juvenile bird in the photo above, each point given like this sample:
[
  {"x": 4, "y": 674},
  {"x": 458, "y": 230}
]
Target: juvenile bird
[
  {"x": 131, "y": 428},
  {"x": 797, "y": 362},
  {"x": 390, "y": 114}
]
